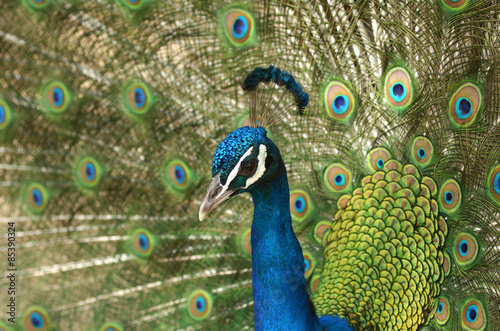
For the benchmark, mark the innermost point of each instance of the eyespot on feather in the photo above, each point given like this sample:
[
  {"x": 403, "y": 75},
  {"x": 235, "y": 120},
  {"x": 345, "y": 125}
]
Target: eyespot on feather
[
  {"x": 246, "y": 243},
  {"x": 111, "y": 326},
  {"x": 37, "y": 198},
  {"x": 442, "y": 311},
  {"x": 178, "y": 175},
  {"x": 466, "y": 249},
  {"x": 339, "y": 101},
  {"x": 446, "y": 264},
  {"x": 56, "y": 98},
  {"x": 89, "y": 172},
  {"x": 36, "y": 319},
  {"x": 422, "y": 151},
  {"x": 5, "y": 327},
  {"x": 398, "y": 88},
  {"x": 137, "y": 99},
  {"x": 300, "y": 205},
  {"x": 134, "y": 5},
  {"x": 473, "y": 315},
  {"x": 200, "y": 305},
  {"x": 309, "y": 264},
  {"x": 337, "y": 178},
  {"x": 5, "y": 115},
  {"x": 239, "y": 27},
  {"x": 493, "y": 186},
  {"x": 455, "y": 4},
  {"x": 143, "y": 243},
  {"x": 377, "y": 158},
  {"x": 321, "y": 229},
  {"x": 450, "y": 197},
  {"x": 465, "y": 105},
  {"x": 37, "y": 4},
  {"x": 315, "y": 279}
]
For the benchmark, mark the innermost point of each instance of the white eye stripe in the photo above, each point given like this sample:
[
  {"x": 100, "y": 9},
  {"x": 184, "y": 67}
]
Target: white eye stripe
[
  {"x": 236, "y": 169},
  {"x": 261, "y": 169}
]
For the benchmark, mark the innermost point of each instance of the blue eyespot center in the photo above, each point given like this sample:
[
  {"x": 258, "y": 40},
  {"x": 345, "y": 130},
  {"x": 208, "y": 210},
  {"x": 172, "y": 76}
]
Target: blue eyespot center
[
  {"x": 448, "y": 197},
  {"x": 471, "y": 313},
  {"x": 36, "y": 320},
  {"x": 37, "y": 197},
  {"x": 463, "y": 247},
  {"x": 496, "y": 183},
  {"x": 139, "y": 97},
  {"x": 2, "y": 114},
  {"x": 421, "y": 153},
  {"x": 440, "y": 308},
  {"x": 340, "y": 180},
  {"x": 143, "y": 241},
  {"x": 340, "y": 104},
  {"x": 398, "y": 92},
  {"x": 200, "y": 304},
  {"x": 306, "y": 264},
  {"x": 300, "y": 204},
  {"x": 240, "y": 27},
  {"x": 463, "y": 108},
  {"x": 90, "y": 171},
  {"x": 58, "y": 96},
  {"x": 180, "y": 175},
  {"x": 380, "y": 163}
]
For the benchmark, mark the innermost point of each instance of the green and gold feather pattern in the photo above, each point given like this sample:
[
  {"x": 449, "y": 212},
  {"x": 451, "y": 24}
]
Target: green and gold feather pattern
[{"x": 109, "y": 113}]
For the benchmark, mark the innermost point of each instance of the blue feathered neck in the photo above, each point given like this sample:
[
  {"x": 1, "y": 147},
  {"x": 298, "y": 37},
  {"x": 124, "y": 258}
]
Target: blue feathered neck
[
  {"x": 279, "y": 287},
  {"x": 280, "y": 294}
]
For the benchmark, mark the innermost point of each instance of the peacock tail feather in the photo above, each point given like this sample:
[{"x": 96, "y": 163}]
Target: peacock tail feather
[{"x": 110, "y": 112}]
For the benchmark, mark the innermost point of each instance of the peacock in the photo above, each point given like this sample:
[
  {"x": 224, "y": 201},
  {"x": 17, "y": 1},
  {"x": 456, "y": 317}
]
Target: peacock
[{"x": 343, "y": 155}]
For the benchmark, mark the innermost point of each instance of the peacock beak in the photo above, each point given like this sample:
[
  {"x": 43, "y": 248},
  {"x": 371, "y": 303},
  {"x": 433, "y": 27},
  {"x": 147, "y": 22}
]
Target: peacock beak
[{"x": 216, "y": 194}]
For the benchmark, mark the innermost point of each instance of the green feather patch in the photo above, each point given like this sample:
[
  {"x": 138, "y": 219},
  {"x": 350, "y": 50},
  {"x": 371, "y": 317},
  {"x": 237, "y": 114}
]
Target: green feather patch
[
  {"x": 473, "y": 315},
  {"x": 111, "y": 326},
  {"x": 321, "y": 230},
  {"x": 37, "y": 4},
  {"x": 237, "y": 26},
  {"x": 377, "y": 158},
  {"x": 493, "y": 184},
  {"x": 310, "y": 263},
  {"x": 339, "y": 101},
  {"x": 422, "y": 152},
  {"x": 450, "y": 197},
  {"x": 200, "y": 304},
  {"x": 88, "y": 173},
  {"x": 137, "y": 99},
  {"x": 466, "y": 249},
  {"x": 337, "y": 178},
  {"x": 36, "y": 198},
  {"x": 442, "y": 314},
  {"x": 464, "y": 105},
  {"x": 398, "y": 88},
  {"x": 142, "y": 243},
  {"x": 6, "y": 115},
  {"x": 301, "y": 205},
  {"x": 36, "y": 319},
  {"x": 179, "y": 178},
  {"x": 55, "y": 98}
]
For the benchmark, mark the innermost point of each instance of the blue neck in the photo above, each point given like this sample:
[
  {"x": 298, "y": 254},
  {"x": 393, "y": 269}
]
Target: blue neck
[{"x": 280, "y": 296}]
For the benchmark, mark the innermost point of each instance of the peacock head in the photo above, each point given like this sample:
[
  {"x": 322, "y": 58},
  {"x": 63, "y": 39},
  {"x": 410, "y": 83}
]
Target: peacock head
[{"x": 242, "y": 162}]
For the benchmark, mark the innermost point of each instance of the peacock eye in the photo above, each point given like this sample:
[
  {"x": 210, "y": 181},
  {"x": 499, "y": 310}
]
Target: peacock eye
[{"x": 248, "y": 168}]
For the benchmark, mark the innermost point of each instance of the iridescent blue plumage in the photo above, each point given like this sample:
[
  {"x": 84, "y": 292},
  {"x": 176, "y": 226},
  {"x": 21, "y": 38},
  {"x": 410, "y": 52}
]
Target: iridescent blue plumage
[
  {"x": 247, "y": 161},
  {"x": 232, "y": 148}
]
